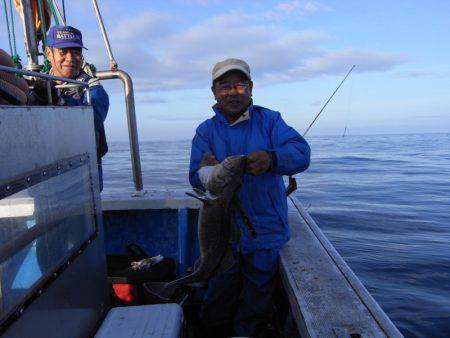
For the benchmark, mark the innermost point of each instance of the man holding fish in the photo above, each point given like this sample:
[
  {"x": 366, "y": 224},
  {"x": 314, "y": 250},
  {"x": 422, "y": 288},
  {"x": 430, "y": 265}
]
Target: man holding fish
[{"x": 243, "y": 294}]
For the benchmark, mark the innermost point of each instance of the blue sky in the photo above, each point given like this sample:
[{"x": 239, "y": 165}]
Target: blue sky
[{"x": 298, "y": 51}]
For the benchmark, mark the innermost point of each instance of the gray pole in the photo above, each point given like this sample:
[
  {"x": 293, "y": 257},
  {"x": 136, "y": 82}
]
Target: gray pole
[
  {"x": 30, "y": 36},
  {"x": 112, "y": 61},
  {"x": 132, "y": 125}
]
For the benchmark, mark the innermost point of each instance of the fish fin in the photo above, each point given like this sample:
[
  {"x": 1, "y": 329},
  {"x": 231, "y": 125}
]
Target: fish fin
[
  {"x": 200, "y": 284},
  {"x": 199, "y": 192},
  {"x": 161, "y": 290},
  {"x": 236, "y": 204},
  {"x": 227, "y": 261},
  {"x": 200, "y": 198}
]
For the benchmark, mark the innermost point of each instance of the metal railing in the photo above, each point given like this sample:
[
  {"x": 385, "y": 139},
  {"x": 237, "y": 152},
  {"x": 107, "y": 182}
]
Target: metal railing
[
  {"x": 113, "y": 73},
  {"x": 129, "y": 100},
  {"x": 132, "y": 124},
  {"x": 116, "y": 73},
  {"x": 70, "y": 83}
]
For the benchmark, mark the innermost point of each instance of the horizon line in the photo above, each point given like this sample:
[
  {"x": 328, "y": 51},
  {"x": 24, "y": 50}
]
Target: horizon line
[{"x": 310, "y": 136}]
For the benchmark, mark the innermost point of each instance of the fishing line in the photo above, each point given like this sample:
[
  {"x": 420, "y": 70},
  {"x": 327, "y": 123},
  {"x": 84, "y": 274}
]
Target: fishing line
[
  {"x": 349, "y": 108},
  {"x": 292, "y": 186}
]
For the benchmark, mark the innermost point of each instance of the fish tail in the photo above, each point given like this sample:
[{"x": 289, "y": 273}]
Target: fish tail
[
  {"x": 161, "y": 290},
  {"x": 189, "y": 279}
]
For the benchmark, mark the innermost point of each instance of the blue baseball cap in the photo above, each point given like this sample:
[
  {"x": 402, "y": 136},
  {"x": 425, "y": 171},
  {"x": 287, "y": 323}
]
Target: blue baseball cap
[{"x": 64, "y": 37}]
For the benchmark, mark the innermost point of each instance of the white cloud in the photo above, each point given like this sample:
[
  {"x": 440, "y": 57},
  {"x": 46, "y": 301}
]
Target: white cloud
[
  {"x": 149, "y": 99},
  {"x": 143, "y": 26},
  {"x": 337, "y": 62},
  {"x": 439, "y": 74},
  {"x": 160, "y": 56},
  {"x": 202, "y": 2},
  {"x": 313, "y": 6},
  {"x": 295, "y": 8}
]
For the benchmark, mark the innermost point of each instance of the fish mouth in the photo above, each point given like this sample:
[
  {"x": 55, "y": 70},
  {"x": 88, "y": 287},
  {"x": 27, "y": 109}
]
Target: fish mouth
[{"x": 235, "y": 164}]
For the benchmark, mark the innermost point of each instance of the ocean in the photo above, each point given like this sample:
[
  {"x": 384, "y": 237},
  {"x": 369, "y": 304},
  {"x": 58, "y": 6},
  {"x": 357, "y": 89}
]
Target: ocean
[{"x": 383, "y": 201}]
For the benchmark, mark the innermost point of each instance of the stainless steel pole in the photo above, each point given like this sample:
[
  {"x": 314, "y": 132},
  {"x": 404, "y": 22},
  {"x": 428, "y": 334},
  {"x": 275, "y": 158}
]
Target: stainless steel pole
[
  {"x": 132, "y": 125},
  {"x": 112, "y": 62},
  {"x": 29, "y": 29}
]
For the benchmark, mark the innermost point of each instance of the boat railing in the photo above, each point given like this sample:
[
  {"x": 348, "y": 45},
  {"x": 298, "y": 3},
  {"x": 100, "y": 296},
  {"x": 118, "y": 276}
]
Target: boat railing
[
  {"x": 132, "y": 124},
  {"x": 31, "y": 48},
  {"x": 116, "y": 73},
  {"x": 69, "y": 83}
]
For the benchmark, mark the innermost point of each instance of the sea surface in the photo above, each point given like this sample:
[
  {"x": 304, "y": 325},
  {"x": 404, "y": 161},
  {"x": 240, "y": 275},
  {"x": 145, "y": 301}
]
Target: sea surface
[{"x": 383, "y": 201}]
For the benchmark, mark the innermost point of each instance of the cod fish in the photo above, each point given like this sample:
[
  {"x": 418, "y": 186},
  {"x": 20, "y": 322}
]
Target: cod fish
[{"x": 214, "y": 226}]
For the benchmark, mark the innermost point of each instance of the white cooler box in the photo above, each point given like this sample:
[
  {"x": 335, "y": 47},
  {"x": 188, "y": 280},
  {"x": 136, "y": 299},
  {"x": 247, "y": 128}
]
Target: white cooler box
[{"x": 155, "y": 321}]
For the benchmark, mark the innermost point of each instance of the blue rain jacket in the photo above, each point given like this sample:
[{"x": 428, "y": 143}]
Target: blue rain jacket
[
  {"x": 99, "y": 100},
  {"x": 263, "y": 197},
  {"x": 100, "y": 105}
]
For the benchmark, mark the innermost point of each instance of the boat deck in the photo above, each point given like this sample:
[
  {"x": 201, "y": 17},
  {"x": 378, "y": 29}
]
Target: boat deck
[{"x": 326, "y": 298}]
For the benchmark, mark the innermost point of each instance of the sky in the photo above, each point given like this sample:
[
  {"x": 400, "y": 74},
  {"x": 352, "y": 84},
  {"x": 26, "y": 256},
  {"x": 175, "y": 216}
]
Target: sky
[{"x": 298, "y": 51}]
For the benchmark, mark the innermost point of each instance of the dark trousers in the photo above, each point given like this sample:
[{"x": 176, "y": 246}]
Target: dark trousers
[{"x": 243, "y": 295}]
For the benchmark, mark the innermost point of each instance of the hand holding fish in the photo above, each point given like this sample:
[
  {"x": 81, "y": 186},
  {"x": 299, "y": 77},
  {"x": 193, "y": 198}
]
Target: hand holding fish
[
  {"x": 208, "y": 159},
  {"x": 258, "y": 162}
]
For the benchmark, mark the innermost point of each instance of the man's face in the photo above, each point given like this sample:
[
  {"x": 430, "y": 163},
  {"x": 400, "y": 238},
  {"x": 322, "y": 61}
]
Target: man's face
[
  {"x": 233, "y": 93},
  {"x": 66, "y": 62}
]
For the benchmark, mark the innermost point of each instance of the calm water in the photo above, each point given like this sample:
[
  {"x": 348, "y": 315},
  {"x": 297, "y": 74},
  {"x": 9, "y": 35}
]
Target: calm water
[{"x": 383, "y": 201}]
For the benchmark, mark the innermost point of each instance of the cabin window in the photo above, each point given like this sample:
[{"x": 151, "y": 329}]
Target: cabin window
[{"x": 41, "y": 226}]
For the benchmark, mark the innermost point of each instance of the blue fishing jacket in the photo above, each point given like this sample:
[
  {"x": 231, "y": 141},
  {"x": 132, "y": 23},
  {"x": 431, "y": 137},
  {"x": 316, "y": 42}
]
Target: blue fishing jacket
[
  {"x": 99, "y": 101},
  {"x": 262, "y": 197},
  {"x": 100, "y": 105}
]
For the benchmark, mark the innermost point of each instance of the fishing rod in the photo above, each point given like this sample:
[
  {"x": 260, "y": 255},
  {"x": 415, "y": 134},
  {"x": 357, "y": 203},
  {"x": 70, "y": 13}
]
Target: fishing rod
[
  {"x": 329, "y": 99},
  {"x": 292, "y": 186}
]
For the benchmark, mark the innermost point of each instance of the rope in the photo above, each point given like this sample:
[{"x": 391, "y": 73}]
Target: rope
[
  {"x": 42, "y": 20},
  {"x": 52, "y": 8},
  {"x": 12, "y": 27},
  {"x": 15, "y": 56},
  {"x": 58, "y": 10},
  {"x": 47, "y": 64},
  {"x": 7, "y": 25},
  {"x": 11, "y": 34},
  {"x": 64, "y": 10}
]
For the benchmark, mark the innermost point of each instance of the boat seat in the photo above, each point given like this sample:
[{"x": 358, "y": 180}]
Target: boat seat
[{"x": 159, "y": 320}]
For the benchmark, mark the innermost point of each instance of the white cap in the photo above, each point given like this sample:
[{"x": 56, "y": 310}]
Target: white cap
[{"x": 225, "y": 66}]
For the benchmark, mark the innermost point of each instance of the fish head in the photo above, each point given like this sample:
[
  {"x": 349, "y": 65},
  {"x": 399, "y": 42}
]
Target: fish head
[
  {"x": 234, "y": 165},
  {"x": 228, "y": 174}
]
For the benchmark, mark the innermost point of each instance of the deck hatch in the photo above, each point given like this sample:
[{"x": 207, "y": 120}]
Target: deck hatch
[{"x": 46, "y": 216}]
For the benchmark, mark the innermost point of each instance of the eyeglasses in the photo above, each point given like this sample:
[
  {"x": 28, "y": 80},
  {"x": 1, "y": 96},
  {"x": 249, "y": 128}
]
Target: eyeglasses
[{"x": 226, "y": 88}]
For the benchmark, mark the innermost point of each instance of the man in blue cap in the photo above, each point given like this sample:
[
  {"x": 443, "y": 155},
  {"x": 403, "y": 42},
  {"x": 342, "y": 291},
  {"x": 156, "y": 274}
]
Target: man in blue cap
[
  {"x": 244, "y": 294},
  {"x": 65, "y": 52}
]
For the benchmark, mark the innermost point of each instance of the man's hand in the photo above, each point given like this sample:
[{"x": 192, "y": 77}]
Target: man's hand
[
  {"x": 208, "y": 159},
  {"x": 258, "y": 162}
]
